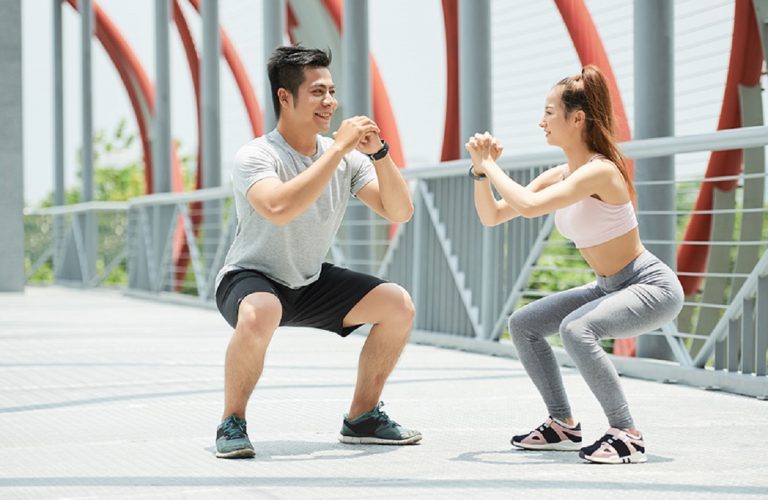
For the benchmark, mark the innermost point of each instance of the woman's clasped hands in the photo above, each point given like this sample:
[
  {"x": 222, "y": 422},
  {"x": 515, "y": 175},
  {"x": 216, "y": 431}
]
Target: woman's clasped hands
[{"x": 482, "y": 148}]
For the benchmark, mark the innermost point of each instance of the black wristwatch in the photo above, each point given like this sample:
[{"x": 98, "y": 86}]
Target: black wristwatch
[
  {"x": 381, "y": 153},
  {"x": 475, "y": 176}
]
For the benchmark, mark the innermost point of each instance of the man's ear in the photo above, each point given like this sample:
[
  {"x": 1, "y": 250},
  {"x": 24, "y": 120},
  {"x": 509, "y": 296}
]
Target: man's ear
[{"x": 283, "y": 97}]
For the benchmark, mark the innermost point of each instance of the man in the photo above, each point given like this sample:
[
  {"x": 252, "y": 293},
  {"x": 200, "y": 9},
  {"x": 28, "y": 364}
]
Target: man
[{"x": 291, "y": 189}]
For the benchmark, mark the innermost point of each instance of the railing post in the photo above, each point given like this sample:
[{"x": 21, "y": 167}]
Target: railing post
[
  {"x": 356, "y": 77},
  {"x": 654, "y": 117},
  {"x": 162, "y": 215},
  {"x": 418, "y": 237},
  {"x": 58, "y": 138},
  {"x": 748, "y": 336},
  {"x": 476, "y": 115},
  {"x": 88, "y": 219},
  {"x": 762, "y": 325},
  {"x": 212, "y": 211}
]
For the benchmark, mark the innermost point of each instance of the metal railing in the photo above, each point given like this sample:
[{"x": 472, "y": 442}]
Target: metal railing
[
  {"x": 466, "y": 279},
  {"x": 78, "y": 245}
]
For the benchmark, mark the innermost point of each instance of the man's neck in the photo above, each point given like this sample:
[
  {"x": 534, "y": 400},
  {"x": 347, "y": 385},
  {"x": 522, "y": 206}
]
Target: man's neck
[{"x": 303, "y": 142}]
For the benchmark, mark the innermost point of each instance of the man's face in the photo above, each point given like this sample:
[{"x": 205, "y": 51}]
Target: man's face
[{"x": 315, "y": 100}]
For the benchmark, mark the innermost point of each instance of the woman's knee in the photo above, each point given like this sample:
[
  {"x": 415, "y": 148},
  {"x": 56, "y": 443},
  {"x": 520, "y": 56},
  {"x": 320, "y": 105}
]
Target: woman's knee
[
  {"x": 575, "y": 332},
  {"x": 259, "y": 314},
  {"x": 521, "y": 326}
]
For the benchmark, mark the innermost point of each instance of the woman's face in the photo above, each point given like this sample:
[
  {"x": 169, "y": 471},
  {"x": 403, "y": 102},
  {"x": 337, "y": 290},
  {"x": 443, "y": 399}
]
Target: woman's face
[{"x": 558, "y": 129}]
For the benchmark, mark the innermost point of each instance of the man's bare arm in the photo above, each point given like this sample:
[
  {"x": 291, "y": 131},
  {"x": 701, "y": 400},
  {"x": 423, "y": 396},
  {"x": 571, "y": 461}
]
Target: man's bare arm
[{"x": 281, "y": 202}]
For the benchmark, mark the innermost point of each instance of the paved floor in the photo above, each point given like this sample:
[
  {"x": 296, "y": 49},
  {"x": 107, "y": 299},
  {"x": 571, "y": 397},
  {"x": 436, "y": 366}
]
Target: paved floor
[{"x": 104, "y": 396}]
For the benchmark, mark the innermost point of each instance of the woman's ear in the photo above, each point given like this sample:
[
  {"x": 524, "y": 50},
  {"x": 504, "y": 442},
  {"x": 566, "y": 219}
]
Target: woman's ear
[{"x": 579, "y": 118}]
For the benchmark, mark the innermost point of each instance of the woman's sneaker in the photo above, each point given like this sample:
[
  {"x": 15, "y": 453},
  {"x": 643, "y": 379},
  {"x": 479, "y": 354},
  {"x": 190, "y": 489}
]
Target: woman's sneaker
[
  {"x": 552, "y": 435},
  {"x": 232, "y": 439},
  {"x": 616, "y": 447}
]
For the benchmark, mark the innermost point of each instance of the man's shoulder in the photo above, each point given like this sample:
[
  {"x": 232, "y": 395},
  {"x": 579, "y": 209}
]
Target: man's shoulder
[
  {"x": 255, "y": 145},
  {"x": 260, "y": 148}
]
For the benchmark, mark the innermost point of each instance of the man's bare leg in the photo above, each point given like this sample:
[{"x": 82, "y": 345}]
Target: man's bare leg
[
  {"x": 389, "y": 308},
  {"x": 258, "y": 318}
]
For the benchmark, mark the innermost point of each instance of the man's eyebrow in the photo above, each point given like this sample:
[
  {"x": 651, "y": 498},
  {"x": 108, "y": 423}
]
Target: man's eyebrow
[{"x": 322, "y": 85}]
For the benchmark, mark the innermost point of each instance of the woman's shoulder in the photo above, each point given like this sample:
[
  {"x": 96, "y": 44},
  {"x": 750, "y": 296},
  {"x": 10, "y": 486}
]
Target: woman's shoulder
[
  {"x": 601, "y": 166},
  {"x": 558, "y": 171}
]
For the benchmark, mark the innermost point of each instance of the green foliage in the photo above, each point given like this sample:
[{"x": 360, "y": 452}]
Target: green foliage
[{"x": 118, "y": 175}]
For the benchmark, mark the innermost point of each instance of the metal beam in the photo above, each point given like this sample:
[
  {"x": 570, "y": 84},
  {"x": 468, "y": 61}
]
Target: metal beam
[
  {"x": 273, "y": 26},
  {"x": 11, "y": 151},
  {"x": 654, "y": 117},
  {"x": 476, "y": 115},
  {"x": 86, "y": 33},
  {"x": 161, "y": 147},
  {"x": 356, "y": 96},
  {"x": 211, "y": 100},
  {"x": 58, "y": 106}
]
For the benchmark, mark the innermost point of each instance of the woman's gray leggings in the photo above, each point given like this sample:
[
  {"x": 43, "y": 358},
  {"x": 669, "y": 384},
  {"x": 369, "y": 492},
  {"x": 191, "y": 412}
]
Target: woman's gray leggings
[{"x": 640, "y": 298}]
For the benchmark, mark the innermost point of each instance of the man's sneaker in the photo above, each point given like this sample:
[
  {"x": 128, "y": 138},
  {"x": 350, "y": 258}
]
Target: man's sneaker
[
  {"x": 375, "y": 427},
  {"x": 232, "y": 439},
  {"x": 616, "y": 447},
  {"x": 552, "y": 435}
]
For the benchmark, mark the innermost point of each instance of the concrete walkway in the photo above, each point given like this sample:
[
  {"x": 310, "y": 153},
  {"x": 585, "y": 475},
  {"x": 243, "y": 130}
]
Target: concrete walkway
[{"x": 104, "y": 396}]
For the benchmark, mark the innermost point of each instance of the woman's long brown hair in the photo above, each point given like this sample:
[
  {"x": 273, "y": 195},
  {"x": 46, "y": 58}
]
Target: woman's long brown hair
[{"x": 589, "y": 92}]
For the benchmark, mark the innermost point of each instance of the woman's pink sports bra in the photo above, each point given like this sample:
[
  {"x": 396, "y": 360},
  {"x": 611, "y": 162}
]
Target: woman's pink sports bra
[{"x": 591, "y": 222}]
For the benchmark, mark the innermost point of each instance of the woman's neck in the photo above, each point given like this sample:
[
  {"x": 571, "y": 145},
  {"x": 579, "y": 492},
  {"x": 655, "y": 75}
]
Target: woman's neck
[{"x": 578, "y": 155}]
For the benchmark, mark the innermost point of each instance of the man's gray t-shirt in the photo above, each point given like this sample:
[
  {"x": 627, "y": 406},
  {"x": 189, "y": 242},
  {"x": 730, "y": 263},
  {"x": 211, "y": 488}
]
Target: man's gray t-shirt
[{"x": 291, "y": 254}]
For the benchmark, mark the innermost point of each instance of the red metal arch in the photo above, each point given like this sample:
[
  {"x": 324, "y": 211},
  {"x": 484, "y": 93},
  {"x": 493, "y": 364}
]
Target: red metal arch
[
  {"x": 744, "y": 68},
  {"x": 451, "y": 132},
  {"x": 140, "y": 90}
]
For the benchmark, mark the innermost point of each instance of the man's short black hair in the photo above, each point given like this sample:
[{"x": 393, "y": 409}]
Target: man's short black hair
[{"x": 286, "y": 69}]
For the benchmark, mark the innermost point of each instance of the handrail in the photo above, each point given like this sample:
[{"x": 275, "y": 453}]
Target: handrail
[
  {"x": 734, "y": 310},
  {"x": 207, "y": 194},
  {"x": 114, "y": 206},
  {"x": 738, "y": 138}
]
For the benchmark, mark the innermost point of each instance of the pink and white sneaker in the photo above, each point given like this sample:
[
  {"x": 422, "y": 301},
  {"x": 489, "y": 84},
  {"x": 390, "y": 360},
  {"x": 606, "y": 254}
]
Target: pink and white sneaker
[
  {"x": 552, "y": 435},
  {"x": 616, "y": 447}
]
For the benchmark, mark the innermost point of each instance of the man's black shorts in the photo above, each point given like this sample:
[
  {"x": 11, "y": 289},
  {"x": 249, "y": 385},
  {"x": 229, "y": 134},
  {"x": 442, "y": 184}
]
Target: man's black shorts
[{"x": 321, "y": 304}]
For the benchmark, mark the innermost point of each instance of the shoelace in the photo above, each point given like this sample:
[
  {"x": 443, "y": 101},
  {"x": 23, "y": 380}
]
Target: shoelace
[
  {"x": 381, "y": 416},
  {"x": 234, "y": 429}
]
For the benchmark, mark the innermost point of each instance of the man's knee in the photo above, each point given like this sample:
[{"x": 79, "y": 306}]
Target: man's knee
[
  {"x": 259, "y": 314},
  {"x": 402, "y": 306},
  {"x": 395, "y": 304}
]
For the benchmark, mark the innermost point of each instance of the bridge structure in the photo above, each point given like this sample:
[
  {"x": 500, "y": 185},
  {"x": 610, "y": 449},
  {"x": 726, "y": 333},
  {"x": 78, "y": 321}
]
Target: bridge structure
[{"x": 135, "y": 278}]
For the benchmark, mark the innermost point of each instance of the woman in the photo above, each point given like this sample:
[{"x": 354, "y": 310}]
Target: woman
[{"x": 592, "y": 197}]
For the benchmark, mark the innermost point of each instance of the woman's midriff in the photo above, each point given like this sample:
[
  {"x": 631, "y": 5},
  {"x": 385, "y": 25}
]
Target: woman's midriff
[{"x": 612, "y": 256}]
